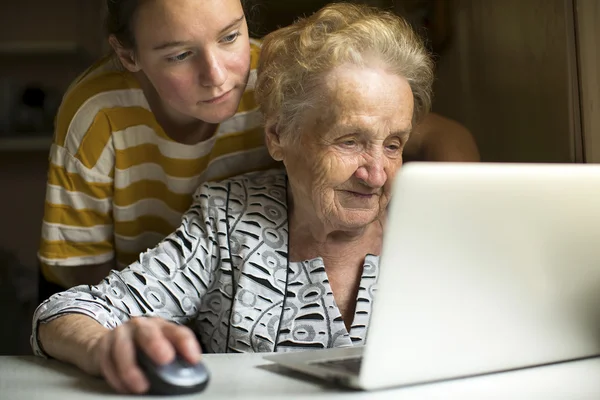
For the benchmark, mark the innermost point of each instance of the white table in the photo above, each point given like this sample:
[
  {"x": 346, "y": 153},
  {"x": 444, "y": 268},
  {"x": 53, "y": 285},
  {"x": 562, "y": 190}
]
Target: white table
[{"x": 248, "y": 376}]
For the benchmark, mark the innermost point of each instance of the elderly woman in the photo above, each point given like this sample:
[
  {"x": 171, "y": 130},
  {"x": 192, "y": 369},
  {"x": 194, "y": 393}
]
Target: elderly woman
[{"x": 272, "y": 261}]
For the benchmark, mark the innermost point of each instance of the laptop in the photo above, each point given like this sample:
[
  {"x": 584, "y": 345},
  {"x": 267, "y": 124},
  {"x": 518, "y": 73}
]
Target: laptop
[{"x": 484, "y": 268}]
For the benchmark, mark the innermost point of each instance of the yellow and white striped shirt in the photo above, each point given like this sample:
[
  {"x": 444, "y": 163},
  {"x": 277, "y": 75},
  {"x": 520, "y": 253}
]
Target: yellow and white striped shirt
[{"x": 117, "y": 184}]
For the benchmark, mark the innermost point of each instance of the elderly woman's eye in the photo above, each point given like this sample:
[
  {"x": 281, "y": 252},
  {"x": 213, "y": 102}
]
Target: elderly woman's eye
[
  {"x": 179, "y": 57},
  {"x": 349, "y": 143},
  {"x": 393, "y": 146}
]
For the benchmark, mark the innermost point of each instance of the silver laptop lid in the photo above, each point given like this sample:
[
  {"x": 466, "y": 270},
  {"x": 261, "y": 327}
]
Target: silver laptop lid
[{"x": 486, "y": 267}]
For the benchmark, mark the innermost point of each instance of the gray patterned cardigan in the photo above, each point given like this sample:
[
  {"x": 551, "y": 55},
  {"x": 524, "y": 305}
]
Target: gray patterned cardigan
[{"x": 225, "y": 273}]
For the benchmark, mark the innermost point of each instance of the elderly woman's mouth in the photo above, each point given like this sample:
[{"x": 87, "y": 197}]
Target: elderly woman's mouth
[{"x": 361, "y": 195}]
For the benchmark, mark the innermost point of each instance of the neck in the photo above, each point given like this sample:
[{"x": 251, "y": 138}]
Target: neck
[
  {"x": 179, "y": 127},
  {"x": 313, "y": 238}
]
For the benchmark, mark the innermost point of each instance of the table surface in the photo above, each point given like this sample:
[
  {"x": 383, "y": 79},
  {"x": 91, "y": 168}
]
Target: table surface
[{"x": 248, "y": 376}]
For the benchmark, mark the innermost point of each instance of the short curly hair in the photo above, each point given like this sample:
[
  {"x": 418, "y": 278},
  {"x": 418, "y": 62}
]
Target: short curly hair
[{"x": 294, "y": 58}]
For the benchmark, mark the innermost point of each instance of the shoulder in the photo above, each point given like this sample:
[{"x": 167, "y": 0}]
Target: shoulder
[
  {"x": 105, "y": 79},
  {"x": 443, "y": 139},
  {"x": 437, "y": 138},
  {"x": 255, "y": 45},
  {"x": 248, "y": 103},
  {"x": 105, "y": 85},
  {"x": 434, "y": 122},
  {"x": 240, "y": 188}
]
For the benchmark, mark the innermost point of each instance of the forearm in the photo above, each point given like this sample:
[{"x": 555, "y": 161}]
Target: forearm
[
  {"x": 71, "y": 338},
  {"x": 82, "y": 275},
  {"x": 453, "y": 145},
  {"x": 438, "y": 138}
]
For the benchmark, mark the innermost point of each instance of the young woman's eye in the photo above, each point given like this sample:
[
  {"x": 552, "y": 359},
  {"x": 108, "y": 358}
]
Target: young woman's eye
[
  {"x": 179, "y": 57},
  {"x": 231, "y": 38}
]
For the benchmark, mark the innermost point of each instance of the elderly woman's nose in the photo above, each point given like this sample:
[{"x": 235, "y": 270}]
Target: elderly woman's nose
[
  {"x": 211, "y": 70},
  {"x": 372, "y": 172}
]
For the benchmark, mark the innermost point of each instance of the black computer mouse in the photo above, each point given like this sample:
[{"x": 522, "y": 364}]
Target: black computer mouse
[{"x": 177, "y": 377}]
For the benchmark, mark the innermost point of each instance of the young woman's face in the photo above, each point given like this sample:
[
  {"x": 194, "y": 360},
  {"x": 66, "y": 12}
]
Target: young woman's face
[{"x": 196, "y": 54}]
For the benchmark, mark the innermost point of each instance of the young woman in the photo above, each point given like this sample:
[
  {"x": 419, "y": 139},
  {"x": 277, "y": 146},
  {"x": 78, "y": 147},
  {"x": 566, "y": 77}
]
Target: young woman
[{"x": 139, "y": 131}]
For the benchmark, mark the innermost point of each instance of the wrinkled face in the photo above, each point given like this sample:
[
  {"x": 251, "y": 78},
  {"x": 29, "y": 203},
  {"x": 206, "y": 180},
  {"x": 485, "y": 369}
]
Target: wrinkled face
[
  {"x": 196, "y": 54},
  {"x": 343, "y": 164}
]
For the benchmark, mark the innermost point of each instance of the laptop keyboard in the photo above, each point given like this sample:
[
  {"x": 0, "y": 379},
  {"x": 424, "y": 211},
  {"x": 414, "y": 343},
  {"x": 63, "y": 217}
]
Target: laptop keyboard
[{"x": 351, "y": 365}]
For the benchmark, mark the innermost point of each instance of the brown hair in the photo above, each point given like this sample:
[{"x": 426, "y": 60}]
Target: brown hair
[
  {"x": 119, "y": 20},
  {"x": 120, "y": 17}
]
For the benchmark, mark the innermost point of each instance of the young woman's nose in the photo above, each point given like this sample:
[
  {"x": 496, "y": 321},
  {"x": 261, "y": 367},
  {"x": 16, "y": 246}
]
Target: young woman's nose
[{"x": 212, "y": 71}]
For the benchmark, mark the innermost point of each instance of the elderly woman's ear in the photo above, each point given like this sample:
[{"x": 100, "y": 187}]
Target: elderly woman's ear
[{"x": 273, "y": 141}]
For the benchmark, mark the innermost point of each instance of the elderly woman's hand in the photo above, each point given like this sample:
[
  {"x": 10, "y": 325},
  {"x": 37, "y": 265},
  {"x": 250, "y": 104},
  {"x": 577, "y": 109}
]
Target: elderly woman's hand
[{"x": 114, "y": 353}]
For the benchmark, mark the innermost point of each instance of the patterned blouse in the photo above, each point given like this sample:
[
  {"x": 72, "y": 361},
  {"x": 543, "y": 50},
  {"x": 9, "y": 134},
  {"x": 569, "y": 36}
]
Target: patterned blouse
[{"x": 225, "y": 273}]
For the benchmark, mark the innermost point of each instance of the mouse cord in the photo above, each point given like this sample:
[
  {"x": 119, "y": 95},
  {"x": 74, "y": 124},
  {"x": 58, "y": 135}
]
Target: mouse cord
[
  {"x": 287, "y": 276},
  {"x": 233, "y": 283}
]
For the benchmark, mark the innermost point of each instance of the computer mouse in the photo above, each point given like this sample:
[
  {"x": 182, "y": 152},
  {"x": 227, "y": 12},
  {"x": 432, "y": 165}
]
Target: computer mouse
[{"x": 177, "y": 377}]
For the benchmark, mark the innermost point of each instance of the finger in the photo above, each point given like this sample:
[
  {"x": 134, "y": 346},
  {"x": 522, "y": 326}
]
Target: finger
[
  {"x": 125, "y": 362},
  {"x": 107, "y": 367},
  {"x": 184, "y": 341},
  {"x": 150, "y": 339}
]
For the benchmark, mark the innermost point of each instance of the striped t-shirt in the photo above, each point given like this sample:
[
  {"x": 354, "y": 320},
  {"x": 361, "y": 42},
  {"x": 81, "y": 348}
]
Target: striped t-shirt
[{"x": 117, "y": 184}]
